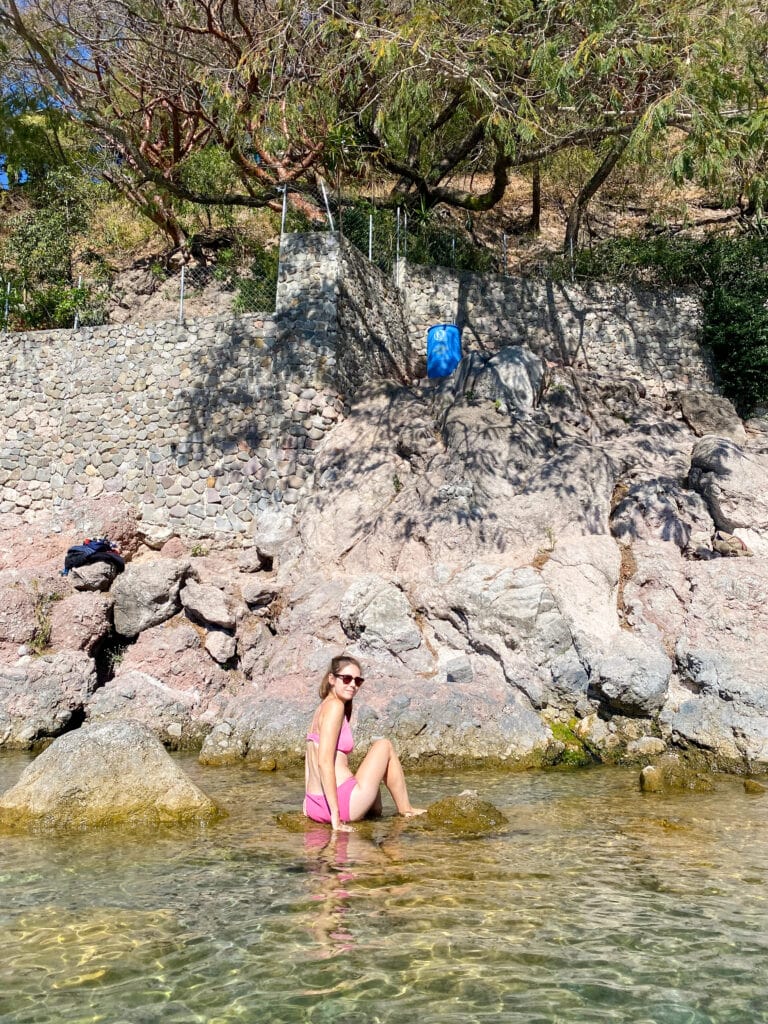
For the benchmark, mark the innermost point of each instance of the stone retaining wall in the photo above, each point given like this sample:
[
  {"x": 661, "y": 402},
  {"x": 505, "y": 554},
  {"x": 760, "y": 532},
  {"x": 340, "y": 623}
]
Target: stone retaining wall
[
  {"x": 200, "y": 425},
  {"x": 205, "y": 424},
  {"x": 653, "y": 336}
]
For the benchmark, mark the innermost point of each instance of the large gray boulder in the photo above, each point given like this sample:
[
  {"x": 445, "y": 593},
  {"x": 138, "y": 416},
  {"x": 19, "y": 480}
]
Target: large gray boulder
[
  {"x": 94, "y": 576},
  {"x": 633, "y": 678},
  {"x": 706, "y": 413},
  {"x": 207, "y": 604},
  {"x": 733, "y": 482},
  {"x": 42, "y": 697},
  {"x": 104, "y": 775},
  {"x": 728, "y": 717},
  {"x": 378, "y": 614},
  {"x": 513, "y": 377},
  {"x": 147, "y": 594}
]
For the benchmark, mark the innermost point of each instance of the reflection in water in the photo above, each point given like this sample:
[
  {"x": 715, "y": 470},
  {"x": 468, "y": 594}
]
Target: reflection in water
[
  {"x": 598, "y": 904},
  {"x": 343, "y": 866},
  {"x": 333, "y": 875}
]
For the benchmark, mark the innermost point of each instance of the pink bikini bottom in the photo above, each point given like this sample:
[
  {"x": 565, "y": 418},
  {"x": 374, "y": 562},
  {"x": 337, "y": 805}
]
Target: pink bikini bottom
[{"x": 316, "y": 806}]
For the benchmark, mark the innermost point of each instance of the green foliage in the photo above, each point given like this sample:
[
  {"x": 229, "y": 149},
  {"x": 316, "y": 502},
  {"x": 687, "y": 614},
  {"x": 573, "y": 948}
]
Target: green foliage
[
  {"x": 55, "y": 305},
  {"x": 731, "y": 275},
  {"x": 39, "y": 243},
  {"x": 428, "y": 239},
  {"x": 574, "y": 753},
  {"x": 736, "y": 318},
  {"x": 253, "y": 279},
  {"x": 37, "y": 254}
]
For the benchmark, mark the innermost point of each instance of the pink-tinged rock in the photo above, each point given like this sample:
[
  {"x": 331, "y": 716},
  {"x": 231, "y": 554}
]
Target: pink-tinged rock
[
  {"x": 583, "y": 576},
  {"x": 252, "y": 636},
  {"x": 216, "y": 570},
  {"x": 44, "y": 542},
  {"x": 41, "y": 697},
  {"x": 17, "y": 614},
  {"x": 221, "y": 646},
  {"x": 657, "y": 593},
  {"x": 32, "y": 545},
  {"x": 80, "y": 621},
  {"x": 260, "y": 591},
  {"x": 107, "y": 516},
  {"x": 174, "y": 548},
  {"x": 253, "y": 560},
  {"x": 429, "y": 720},
  {"x": 170, "y": 683},
  {"x": 207, "y": 604}
]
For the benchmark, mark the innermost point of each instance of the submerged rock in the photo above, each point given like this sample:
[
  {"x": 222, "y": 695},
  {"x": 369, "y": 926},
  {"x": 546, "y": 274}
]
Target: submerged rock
[
  {"x": 115, "y": 773},
  {"x": 467, "y": 814},
  {"x": 673, "y": 773},
  {"x": 753, "y": 787}
]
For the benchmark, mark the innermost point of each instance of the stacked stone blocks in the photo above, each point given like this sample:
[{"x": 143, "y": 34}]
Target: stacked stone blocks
[{"x": 204, "y": 425}]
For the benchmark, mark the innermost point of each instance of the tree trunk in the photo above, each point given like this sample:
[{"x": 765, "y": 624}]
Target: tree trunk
[
  {"x": 580, "y": 203},
  {"x": 534, "y": 224}
]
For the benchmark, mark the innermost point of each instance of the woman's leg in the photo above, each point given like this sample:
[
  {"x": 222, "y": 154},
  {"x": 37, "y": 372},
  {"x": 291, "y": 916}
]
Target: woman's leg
[{"x": 380, "y": 764}]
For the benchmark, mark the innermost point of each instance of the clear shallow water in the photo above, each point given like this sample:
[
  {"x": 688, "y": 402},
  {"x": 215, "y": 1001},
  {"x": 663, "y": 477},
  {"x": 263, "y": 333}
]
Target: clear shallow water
[{"x": 598, "y": 904}]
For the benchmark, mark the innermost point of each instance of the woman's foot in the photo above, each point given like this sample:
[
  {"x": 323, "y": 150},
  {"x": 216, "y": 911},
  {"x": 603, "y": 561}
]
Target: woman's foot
[{"x": 413, "y": 812}]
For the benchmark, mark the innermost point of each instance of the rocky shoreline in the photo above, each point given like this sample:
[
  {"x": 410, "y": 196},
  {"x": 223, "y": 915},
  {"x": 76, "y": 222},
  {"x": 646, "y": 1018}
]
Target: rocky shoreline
[{"x": 535, "y": 565}]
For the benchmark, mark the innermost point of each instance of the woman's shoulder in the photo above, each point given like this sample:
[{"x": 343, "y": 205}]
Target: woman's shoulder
[{"x": 330, "y": 714}]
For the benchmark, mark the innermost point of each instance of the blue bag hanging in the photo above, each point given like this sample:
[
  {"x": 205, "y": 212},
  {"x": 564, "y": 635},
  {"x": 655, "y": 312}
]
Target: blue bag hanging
[{"x": 443, "y": 349}]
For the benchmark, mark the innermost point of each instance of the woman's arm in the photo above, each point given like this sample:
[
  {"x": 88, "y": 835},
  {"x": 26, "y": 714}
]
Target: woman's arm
[{"x": 330, "y": 728}]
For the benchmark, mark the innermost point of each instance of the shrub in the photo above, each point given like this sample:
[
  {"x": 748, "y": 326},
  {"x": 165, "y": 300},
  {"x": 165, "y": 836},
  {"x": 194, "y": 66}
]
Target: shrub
[{"x": 730, "y": 274}]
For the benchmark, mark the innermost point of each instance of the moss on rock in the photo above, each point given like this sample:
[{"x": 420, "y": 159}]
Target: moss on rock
[{"x": 466, "y": 814}]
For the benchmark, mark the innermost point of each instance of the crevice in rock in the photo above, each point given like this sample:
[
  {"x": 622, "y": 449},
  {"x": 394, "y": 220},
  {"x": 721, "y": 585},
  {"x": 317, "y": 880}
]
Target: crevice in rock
[
  {"x": 76, "y": 719},
  {"x": 627, "y": 570},
  {"x": 691, "y": 685},
  {"x": 108, "y": 654}
]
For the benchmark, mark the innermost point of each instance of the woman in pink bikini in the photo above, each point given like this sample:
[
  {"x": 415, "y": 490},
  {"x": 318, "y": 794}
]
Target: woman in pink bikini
[{"x": 333, "y": 794}]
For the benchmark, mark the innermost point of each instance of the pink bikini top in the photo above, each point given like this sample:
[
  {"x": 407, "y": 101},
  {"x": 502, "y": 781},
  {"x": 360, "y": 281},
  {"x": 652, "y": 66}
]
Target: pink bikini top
[{"x": 345, "y": 742}]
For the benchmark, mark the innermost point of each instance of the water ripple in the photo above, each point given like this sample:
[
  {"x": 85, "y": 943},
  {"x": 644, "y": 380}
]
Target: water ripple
[{"x": 598, "y": 905}]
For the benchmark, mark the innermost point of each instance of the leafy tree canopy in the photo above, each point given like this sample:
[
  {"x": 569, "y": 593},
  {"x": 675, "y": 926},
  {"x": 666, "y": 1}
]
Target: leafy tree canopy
[{"x": 224, "y": 101}]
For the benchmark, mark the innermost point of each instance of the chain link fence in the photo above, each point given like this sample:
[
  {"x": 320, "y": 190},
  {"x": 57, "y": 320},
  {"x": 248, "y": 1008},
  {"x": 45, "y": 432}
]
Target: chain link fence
[{"x": 242, "y": 278}]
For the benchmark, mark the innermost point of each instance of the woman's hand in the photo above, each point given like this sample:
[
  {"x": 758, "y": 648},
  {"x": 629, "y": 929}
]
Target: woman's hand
[{"x": 340, "y": 826}]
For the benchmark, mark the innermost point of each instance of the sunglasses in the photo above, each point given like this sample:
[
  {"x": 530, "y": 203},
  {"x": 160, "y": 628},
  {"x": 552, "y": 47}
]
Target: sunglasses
[{"x": 347, "y": 680}]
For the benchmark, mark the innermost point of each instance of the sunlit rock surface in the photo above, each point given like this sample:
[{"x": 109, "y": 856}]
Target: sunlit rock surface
[
  {"x": 519, "y": 552},
  {"x": 104, "y": 775}
]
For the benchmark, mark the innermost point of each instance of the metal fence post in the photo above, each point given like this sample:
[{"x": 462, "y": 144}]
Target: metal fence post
[
  {"x": 76, "y": 323},
  {"x": 370, "y": 237},
  {"x": 327, "y": 207},
  {"x": 181, "y": 295},
  {"x": 7, "y": 304},
  {"x": 504, "y": 250},
  {"x": 283, "y": 214}
]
